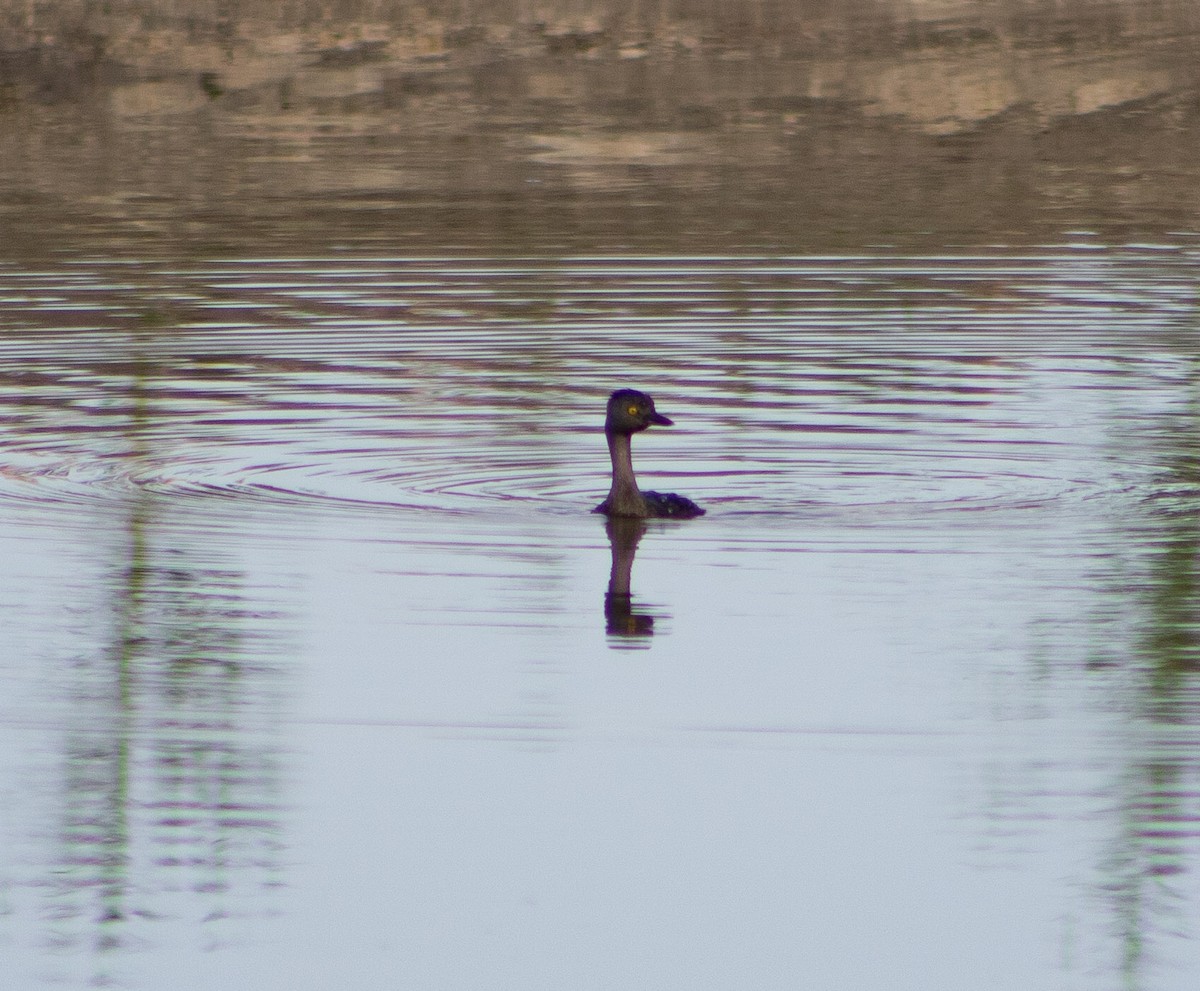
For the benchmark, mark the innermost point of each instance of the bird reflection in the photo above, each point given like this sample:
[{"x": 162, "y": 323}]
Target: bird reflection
[{"x": 622, "y": 621}]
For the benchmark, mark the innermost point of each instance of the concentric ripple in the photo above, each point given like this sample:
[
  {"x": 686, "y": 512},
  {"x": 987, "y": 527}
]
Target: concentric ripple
[{"x": 799, "y": 386}]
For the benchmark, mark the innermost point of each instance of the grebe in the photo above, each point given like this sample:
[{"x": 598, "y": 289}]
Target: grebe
[{"x": 628, "y": 412}]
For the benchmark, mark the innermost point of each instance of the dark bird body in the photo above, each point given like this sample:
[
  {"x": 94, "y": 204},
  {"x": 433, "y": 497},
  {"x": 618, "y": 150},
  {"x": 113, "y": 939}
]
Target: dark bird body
[{"x": 630, "y": 411}]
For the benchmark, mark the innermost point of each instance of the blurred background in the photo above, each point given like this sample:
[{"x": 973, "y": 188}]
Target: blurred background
[{"x": 759, "y": 123}]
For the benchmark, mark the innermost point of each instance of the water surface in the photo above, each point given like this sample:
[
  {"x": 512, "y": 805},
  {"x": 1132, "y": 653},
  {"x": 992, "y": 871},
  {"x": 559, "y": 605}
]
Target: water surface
[{"x": 309, "y": 676}]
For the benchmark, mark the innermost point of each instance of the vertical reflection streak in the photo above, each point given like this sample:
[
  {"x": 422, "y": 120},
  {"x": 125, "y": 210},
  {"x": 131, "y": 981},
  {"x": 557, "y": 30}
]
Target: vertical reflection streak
[{"x": 170, "y": 805}]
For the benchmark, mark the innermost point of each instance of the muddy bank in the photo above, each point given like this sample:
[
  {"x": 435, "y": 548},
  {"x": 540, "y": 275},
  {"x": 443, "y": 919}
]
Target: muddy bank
[
  {"x": 746, "y": 124},
  {"x": 941, "y": 64}
]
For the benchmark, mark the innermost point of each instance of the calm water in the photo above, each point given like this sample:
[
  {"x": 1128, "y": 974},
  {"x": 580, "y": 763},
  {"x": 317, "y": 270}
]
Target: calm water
[{"x": 308, "y": 677}]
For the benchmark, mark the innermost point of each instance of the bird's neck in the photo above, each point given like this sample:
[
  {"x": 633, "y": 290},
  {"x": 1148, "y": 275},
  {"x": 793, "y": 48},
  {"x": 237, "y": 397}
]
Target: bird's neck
[{"x": 624, "y": 495}]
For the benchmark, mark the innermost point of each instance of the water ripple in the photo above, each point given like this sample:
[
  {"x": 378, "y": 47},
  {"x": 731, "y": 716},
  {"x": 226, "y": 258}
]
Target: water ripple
[{"x": 979, "y": 382}]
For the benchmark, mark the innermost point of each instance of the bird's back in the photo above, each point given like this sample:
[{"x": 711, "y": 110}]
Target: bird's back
[{"x": 668, "y": 505}]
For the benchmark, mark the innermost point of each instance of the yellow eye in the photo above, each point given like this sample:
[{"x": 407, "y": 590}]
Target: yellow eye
[{"x": 633, "y": 411}]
